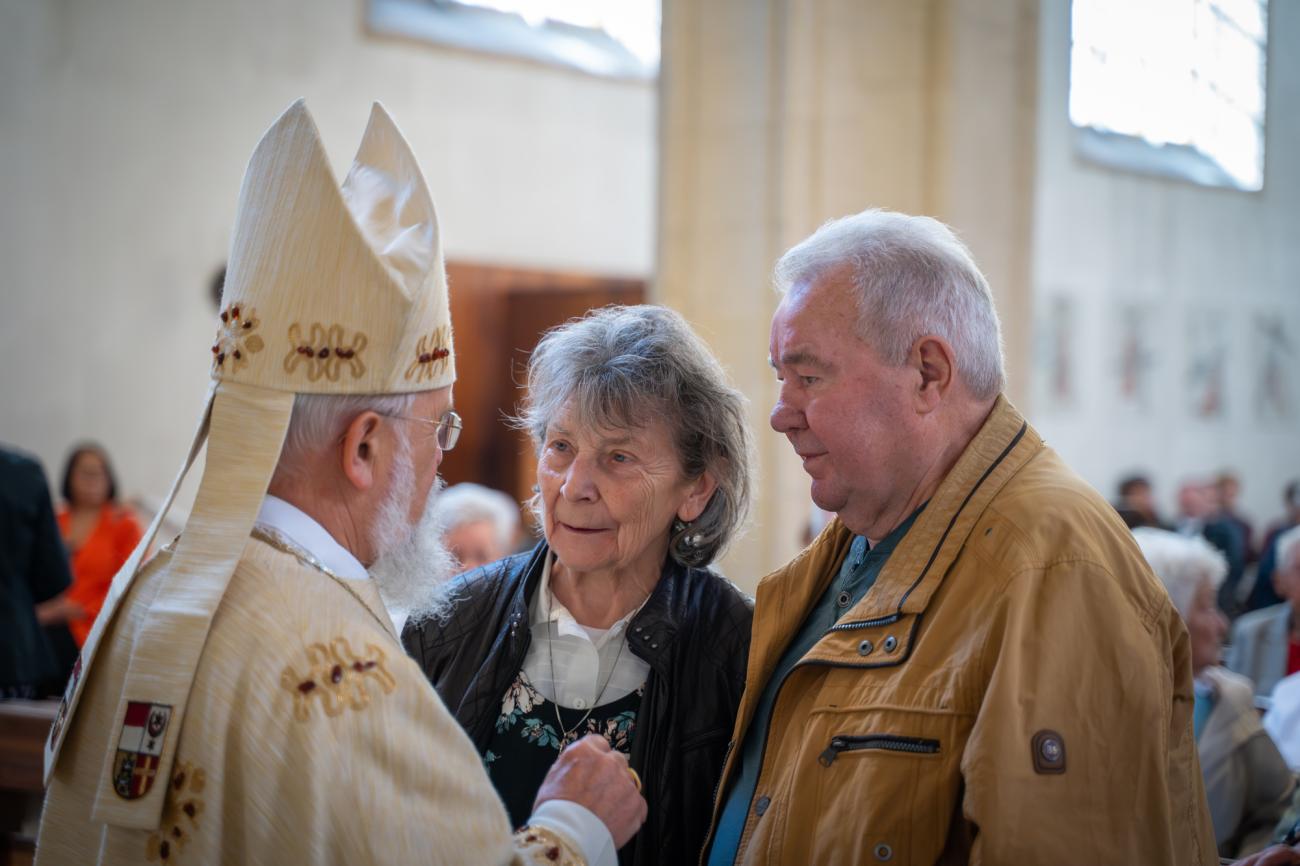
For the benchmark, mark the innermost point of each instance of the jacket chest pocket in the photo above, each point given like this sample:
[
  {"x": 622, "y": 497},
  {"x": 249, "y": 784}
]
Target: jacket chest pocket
[{"x": 880, "y": 786}]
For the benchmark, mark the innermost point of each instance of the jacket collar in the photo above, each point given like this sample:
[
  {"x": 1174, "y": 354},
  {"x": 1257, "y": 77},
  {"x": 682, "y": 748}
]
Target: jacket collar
[
  {"x": 651, "y": 632},
  {"x": 914, "y": 572}
]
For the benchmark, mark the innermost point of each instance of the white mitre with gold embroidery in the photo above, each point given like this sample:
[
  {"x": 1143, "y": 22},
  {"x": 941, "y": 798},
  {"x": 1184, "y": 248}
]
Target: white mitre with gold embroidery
[{"x": 329, "y": 290}]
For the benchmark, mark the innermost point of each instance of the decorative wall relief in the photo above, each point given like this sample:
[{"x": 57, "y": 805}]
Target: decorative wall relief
[
  {"x": 1274, "y": 356},
  {"x": 1134, "y": 356},
  {"x": 1055, "y": 373},
  {"x": 1207, "y": 363}
]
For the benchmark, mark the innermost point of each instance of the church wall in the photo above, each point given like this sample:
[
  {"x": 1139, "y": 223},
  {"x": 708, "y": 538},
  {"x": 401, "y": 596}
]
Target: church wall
[
  {"x": 124, "y": 131},
  {"x": 1157, "y": 302}
]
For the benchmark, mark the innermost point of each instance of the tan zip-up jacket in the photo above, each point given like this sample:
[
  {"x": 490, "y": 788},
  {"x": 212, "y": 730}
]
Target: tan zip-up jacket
[{"x": 1015, "y": 689}]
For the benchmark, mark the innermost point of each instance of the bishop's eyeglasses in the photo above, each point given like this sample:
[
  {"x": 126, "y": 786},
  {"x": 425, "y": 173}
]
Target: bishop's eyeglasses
[{"x": 447, "y": 427}]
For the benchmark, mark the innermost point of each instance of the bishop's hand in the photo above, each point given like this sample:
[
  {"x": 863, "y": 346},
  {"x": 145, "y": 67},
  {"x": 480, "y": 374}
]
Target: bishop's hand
[{"x": 593, "y": 775}]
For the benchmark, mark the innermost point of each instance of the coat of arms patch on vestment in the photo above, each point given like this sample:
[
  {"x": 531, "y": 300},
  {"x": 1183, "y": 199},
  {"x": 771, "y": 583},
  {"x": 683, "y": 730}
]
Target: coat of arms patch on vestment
[{"x": 139, "y": 748}]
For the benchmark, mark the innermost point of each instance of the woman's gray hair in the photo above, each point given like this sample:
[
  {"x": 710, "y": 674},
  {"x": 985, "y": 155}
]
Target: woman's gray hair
[
  {"x": 1181, "y": 562},
  {"x": 913, "y": 277},
  {"x": 318, "y": 419},
  {"x": 617, "y": 368}
]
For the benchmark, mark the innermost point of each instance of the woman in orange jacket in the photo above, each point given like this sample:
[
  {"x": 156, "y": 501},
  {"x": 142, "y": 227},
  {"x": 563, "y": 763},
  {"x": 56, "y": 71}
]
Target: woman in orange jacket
[{"x": 100, "y": 534}]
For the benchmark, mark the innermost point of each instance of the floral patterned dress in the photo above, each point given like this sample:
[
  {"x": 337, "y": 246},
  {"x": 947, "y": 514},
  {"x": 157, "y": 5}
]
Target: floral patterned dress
[{"x": 527, "y": 740}]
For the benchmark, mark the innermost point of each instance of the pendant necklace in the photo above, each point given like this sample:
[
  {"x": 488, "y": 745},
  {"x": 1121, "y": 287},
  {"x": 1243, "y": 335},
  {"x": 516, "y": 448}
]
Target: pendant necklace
[{"x": 564, "y": 733}]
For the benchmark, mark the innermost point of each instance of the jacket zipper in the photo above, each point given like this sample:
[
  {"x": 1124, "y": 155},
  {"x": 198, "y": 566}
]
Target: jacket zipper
[{"x": 885, "y": 742}]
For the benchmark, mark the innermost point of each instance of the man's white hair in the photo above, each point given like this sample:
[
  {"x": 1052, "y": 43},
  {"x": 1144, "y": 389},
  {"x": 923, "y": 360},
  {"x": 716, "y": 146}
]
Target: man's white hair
[
  {"x": 468, "y": 502},
  {"x": 913, "y": 277},
  {"x": 1181, "y": 562},
  {"x": 318, "y": 419},
  {"x": 1288, "y": 547}
]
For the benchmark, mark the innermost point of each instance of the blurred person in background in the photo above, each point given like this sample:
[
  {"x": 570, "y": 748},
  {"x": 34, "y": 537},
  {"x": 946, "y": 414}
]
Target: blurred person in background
[
  {"x": 100, "y": 533},
  {"x": 1137, "y": 504},
  {"x": 1247, "y": 782},
  {"x": 1198, "y": 514},
  {"x": 1282, "y": 721},
  {"x": 479, "y": 524},
  {"x": 33, "y": 569},
  {"x": 613, "y": 623},
  {"x": 1266, "y": 643},
  {"x": 1228, "y": 491},
  {"x": 1263, "y": 593}
]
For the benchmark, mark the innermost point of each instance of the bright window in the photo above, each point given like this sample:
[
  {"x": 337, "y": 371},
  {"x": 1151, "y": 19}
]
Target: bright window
[
  {"x": 618, "y": 38},
  {"x": 1185, "y": 78}
]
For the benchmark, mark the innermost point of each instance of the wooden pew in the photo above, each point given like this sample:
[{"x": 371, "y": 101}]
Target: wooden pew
[{"x": 23, "y": 727}]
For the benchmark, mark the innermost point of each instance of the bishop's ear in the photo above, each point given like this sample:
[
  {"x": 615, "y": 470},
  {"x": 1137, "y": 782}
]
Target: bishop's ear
[{"x": 358, "y": 450}]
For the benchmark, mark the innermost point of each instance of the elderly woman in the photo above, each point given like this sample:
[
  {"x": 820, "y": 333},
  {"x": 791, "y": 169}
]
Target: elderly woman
[
  {"x": 1246, "y": 780},
  {"x": 479, "y": 524},
  {"x": 613, "y": 624}
]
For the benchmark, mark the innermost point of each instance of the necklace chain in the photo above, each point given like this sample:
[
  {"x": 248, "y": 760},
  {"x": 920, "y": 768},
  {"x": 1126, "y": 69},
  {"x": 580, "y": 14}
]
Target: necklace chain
[{"x": 555, "y": 684}]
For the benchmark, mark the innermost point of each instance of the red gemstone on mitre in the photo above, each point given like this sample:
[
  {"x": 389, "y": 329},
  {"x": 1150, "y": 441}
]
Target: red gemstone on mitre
[
  {"x": 306, "y": 687},
  {"x": 216, "y": 349},
  {"x": 225, "y": 317},
  {"x": 336, "y": 674},
  {"x": 235, "y": 312}
]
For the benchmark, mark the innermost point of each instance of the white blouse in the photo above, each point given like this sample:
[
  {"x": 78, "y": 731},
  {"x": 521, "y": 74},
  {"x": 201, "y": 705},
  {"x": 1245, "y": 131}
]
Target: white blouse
[{"x": 581, "y": 657}]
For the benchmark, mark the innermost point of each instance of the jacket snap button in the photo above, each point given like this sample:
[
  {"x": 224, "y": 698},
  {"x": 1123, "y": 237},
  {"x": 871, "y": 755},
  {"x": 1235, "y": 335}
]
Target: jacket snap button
[
  {"x": 843, "y": 600},
  {"x": 884, "y": 852},
  {"x": 654, "y": 646},
  {"x": 638, "y": 629},
  {"x": 891, "y": 644},
  {"x": 760, "y": 805},
  {"x": 865, "y": 648}
]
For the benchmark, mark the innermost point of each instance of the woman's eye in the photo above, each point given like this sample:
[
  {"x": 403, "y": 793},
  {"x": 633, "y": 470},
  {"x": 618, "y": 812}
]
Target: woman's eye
[
  {"x": 560, "y": 446},
  {"x": 619, "y": 457}
]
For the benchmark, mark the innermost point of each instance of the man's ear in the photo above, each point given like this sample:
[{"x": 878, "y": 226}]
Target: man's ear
[
  {"x": 932, "y": 357},
  {"x": 697, "y": 497},
  {"x": 358, "y": 450}
]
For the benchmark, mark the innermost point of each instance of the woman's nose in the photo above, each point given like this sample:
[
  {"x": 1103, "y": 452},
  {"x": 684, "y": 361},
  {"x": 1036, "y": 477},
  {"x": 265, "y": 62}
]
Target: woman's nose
[{"x": 578, "y": 482}]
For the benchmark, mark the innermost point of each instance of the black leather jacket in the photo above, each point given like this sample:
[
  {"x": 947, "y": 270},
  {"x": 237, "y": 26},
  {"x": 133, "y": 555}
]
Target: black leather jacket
[{"x": 693, "y": 631}]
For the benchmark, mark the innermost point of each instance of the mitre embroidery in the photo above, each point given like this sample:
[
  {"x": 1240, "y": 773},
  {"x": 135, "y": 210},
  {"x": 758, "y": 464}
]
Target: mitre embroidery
[
  {"x": 235, "y": 338},
  {"x": 325, "y": 353},
  {"x": 431, "y": 354}
]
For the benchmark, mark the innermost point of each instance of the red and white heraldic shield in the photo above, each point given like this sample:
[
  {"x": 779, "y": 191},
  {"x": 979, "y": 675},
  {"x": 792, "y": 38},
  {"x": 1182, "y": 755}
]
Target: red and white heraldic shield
[{"x": 139, "y": 748}]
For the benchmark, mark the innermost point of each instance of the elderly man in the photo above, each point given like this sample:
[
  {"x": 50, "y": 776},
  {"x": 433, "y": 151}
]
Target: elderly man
[
  {"x": 972, "y": 663},
  {"x": 245, "y": 700},
  {"x": 1266, "y": 643}
]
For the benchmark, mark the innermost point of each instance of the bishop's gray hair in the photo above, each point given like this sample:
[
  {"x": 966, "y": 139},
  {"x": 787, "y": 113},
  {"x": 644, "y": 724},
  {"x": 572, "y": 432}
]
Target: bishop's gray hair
[
  {"x": 617, "y": 368},
  {"x": 318, "y": 419},
  {"x": 912, "y": 277}
]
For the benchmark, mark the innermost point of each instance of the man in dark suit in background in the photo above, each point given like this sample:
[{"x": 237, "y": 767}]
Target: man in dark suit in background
[{"x": 33, "y": 568}]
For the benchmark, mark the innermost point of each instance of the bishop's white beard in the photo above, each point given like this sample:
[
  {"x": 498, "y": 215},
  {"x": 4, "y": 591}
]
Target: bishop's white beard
[{"x": 413, "y": 565}]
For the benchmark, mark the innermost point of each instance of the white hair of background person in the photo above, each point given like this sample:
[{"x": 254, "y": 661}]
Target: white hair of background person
[
  {"x": 1288, "y": 547},
  {"x": 468, "y": 502},
  {"x": 1181, "y": 562},
  {"x": 913, "y": 277}
]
